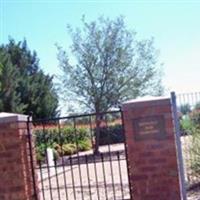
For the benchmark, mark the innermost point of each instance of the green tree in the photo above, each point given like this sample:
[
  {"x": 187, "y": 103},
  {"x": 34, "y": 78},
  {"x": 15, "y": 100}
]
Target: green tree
[
  {"x": 24, "y": 87},
  {"x": 111, "y": 65},
  {"x": 9, "y": 99},
  {"x": 197, "y": 106},
  {"x": 185, "y": 109}
]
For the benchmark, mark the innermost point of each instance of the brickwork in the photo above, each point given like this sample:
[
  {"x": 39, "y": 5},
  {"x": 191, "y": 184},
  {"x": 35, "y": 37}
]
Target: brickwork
[
  {"x": 152, "y": 159},
  {"x": 16, "y": 181}
]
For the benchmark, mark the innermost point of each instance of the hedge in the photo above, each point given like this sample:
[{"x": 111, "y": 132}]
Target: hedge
[
  {"x": 63, "y": 141},
  {"x": 111, "y": 135}
]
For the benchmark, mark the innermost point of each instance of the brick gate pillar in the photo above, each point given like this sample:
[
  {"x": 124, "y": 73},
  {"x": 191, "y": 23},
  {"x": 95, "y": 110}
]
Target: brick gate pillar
[
  {"x": 16, "y": 175},
  {"x": 151, "y": 149}
]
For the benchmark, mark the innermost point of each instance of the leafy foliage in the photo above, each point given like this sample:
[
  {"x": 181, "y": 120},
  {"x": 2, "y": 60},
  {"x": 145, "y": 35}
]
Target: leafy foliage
[
  {"x": 197, "y": 106},
  {"x": 65, "y": 141},
  {"x": 190, "y": 120},
  {"x": 63, "y": 136},
  {"x": 111, "y": 135},
  {"x": 185, "y": 109},
  {"x": 111, "y": 65},
  {"x": 24, "y": 87},
  {"x": 195, "y": 152},
  {"x": 186, "y": 125},
  {"x": 195, "y": 117},
  {"x": 190, "y": 126},
  {"x": 9, "y": 98}
]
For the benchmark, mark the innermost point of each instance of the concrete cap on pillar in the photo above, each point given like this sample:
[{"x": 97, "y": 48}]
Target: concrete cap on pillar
[
  {"x": 12, "y": 117},
  {"x": 142, "y": 101}
]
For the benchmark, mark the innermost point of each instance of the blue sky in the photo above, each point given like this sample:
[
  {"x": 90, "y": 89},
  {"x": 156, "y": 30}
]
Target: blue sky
[{"x": 174, "y": 24}]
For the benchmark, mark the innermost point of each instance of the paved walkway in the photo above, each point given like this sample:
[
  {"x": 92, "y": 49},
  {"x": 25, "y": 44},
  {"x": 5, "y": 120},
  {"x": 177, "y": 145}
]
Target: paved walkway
[{"x": 87, "y": 181}]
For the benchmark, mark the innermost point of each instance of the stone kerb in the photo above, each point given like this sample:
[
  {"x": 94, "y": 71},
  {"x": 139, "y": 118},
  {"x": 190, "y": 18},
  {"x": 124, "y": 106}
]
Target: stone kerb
[
  {"x": 151, "y": 149},
  {"x": 16, "y": 182}
]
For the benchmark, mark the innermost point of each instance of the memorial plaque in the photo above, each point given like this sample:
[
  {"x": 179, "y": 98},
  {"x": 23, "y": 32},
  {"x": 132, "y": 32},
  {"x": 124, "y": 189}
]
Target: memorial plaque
[{"x": 152, "y": 127}]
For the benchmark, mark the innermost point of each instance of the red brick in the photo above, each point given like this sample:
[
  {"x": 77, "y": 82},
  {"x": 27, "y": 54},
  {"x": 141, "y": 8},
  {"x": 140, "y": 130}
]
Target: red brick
[
  {"x": 138, "y": 177},
  {"x": 149, "y": 169},
  {"x": 15, "y": 181},
  {"x": 146, "y": 154},
  {"x": 152, "y": 162},
  {"x": 157, "y": 160}
]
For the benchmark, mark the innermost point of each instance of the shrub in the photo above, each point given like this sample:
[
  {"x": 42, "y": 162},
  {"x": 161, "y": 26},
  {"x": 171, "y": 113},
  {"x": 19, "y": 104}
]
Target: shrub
[
  {"x": 195, "y": 152},
  {"x": 84, "y": 145},
  {"x": 185, "y": 109},
  {"x": 111, "y": 135},
  {"x": 64, "y": 136},
  {"x": 66, "y": 149},
  {"x": 69, "y": 149},
  {"x": 195, "y": 117},
  {"x": 63, "y": 141},
  {"x": 197, "y": 106},
  {"x": 186, "y": 125},
  {"x": 190, "y": 125},
  {"x": 40, "y": 152}
]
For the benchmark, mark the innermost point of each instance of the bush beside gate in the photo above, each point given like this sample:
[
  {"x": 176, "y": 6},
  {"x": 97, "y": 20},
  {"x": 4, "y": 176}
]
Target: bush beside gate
[{"x": 68, "y": 140}]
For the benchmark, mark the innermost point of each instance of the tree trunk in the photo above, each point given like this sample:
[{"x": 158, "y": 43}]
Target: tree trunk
[{"x": 97, "y": 133}]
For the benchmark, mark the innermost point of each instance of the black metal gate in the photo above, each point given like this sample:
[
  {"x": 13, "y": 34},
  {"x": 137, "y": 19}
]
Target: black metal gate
[{"x": 68, "y": 168}]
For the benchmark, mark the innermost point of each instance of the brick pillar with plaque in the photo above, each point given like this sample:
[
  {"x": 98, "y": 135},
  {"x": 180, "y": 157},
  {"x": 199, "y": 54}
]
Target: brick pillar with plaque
[{"x": 151, "y": 149}]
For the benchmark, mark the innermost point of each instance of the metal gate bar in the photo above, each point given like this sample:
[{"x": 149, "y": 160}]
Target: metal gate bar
[{"x": 76, "y": 172}]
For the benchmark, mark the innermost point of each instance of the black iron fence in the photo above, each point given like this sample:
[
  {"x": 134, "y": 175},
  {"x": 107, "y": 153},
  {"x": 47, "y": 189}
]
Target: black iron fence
[
  {"x": 82, "y": 157},
  {"x": 189, "y": 115}
]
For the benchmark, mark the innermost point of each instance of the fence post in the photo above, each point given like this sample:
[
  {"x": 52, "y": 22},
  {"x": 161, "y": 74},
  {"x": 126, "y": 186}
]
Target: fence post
[
  {"x": 151, "y": 149},
  {"x": 50, "y": 160},
  {"x": 16, "y": 172},
  {"x": 179, "y": 147}
]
